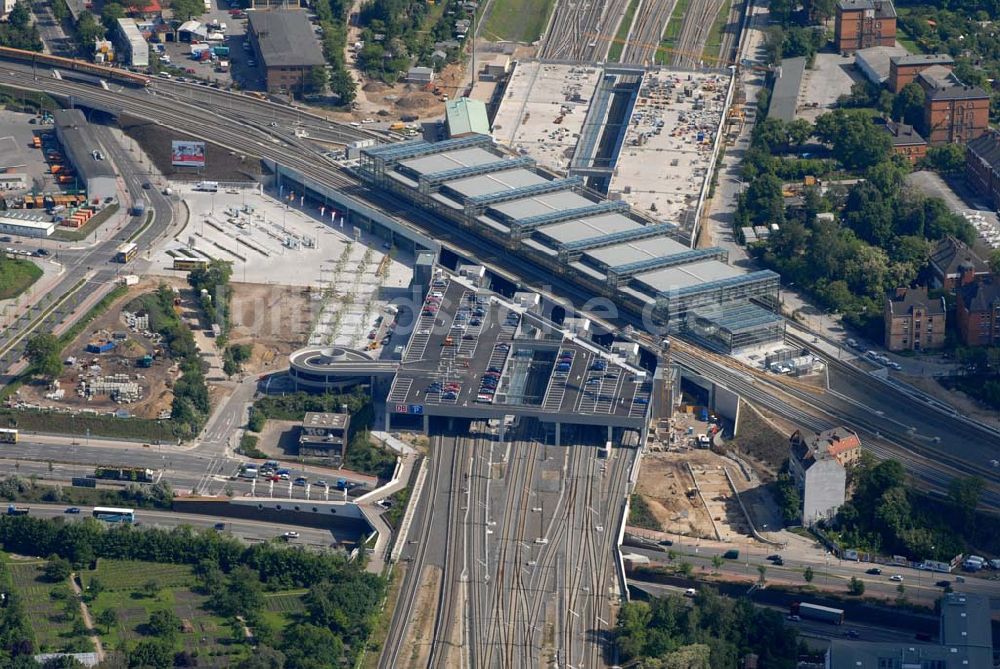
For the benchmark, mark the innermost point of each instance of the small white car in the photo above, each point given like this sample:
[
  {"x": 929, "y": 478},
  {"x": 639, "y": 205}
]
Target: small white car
[
  {"x": 290, "y": 535},
  {"x": 896, "y": 578},
  {"x": 690, "y": 592}
]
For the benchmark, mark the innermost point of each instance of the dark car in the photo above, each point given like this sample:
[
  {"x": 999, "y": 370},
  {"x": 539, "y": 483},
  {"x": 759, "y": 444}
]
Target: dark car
[
  {"x": 42, "y": 252},
  {"x": 5, "y": 239},
  {"x": 146, "y": 185},
  {"x": 73, "y": 510},
  {"x": 774, "y": 557},
  {"x": 943, "y": 584},
  {"x": 874, "y": 571},
  {"x": 220, "y": 526}
]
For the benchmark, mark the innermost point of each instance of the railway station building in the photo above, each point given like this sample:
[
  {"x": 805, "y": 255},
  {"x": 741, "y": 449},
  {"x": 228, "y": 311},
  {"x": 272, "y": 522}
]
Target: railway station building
[{"x": 604, "y": 247}]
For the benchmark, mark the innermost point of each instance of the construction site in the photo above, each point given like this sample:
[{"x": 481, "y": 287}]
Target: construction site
[
  {"x": 608, "y": 124},
  {"x": 116, "y": 365}
]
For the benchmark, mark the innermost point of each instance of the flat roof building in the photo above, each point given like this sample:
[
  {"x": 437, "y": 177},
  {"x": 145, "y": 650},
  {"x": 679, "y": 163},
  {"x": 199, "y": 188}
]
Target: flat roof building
[
  {"x": 465, "y": 116},
  {"x": 965, "y": 642},
  {"x": 12, "y": 224},
  {"x": 80, "y": 144},
  {"x": 286, "y": 45},
  {"x": 420, "y": 75},
  {"x": 131, "y": 45},
  {"x": 876, "y": 62},
  {"x": 904, "y": 69},
  {"x": 325, "y": 435},
  {"x": 784, "y": 97}
]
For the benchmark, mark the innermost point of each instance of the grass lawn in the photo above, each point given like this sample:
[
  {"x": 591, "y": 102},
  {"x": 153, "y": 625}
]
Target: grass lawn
[
  {"x": 517, "y": 20},
  {"x": 71, "y": 235},
  {"x": 615, "y": 52},
  {"x": 713, "y": 44},
  {"x": 132, "y": 575},
  {"x": 16, "y": 276},
  {"x": 672, "y": 32},
  {"x": 52, "y": 627}
]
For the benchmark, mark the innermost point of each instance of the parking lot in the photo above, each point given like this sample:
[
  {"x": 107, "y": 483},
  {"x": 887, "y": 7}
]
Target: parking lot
[{"x": 470, "y": 348}]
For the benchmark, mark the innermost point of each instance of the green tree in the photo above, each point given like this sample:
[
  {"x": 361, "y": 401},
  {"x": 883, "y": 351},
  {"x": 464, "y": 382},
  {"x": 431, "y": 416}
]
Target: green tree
[
  {"x": 57, "y": 569},
  {"x": 317, "y": 79},
  {"x": 304, "y": 646},
  {"x": 908, "y": 105},
  {"x": 107, "y": 619},
  {"x": 44, "y": 353},
  {"x": 263, "y": 657},
  {"x": 856, "y": 587},
  {"x": 965, "y": 494},
  {"x": 946, "y": 159},
  {"x": 88, "y": 29},
  {"x": 808, "y": 575},
  {"x": 717, "y": 562},
  {"x": 686, "y": 569},
  {"x": 761, "y": 574},
  {"x": 187, "y": 9},
  {"x": 151, "y": 588},
  {"x": 111, "y": 13},
  {"x": 151, "y": 653},
  {"x": 164, "y": 624},
  {"x": 857, "y": 142},
  {"x": 343, "y": 86},
  {"x": 995, "y": 262},
  {"x": 95, "y": 588}
]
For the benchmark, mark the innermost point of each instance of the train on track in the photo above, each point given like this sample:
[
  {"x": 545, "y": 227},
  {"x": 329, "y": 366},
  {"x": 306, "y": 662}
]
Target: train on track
[{"x": 102, "y": 71}]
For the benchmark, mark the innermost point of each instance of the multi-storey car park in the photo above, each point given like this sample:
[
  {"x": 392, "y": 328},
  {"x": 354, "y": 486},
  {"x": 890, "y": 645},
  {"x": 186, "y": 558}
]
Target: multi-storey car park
[
  {"x": 474, "y": 354},
  {"x": 603, "y": 246}
]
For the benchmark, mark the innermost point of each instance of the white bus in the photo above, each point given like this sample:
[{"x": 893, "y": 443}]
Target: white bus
[
  {"x": 110, "y": 514},
  {"x": 8, "y": 436}
]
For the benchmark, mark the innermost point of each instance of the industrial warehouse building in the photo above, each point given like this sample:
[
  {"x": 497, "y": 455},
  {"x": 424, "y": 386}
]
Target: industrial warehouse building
[
  {"x": 24, "y": 224},
  {"x": 284, "y": 42},
  {"x": 94, "y": 169},
  {"x": 603, "y": 246},
  {"x": 131, "y": 44}
]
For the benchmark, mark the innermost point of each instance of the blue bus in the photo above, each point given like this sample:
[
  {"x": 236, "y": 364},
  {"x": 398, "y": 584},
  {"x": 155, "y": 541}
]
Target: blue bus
[{"x": 110, "y": 514}]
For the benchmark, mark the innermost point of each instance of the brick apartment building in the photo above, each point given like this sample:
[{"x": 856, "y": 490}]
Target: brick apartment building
[
  {"x": 861, "y": 24},
  {"x": 906, "y": 141},
  {"x": 954, "y": 264},
  {"x": 954, "y": 113},
  {"x": 285, "y": 44},
  {"x": 982, "y": 166},
  {"x": 913, "y": 320},
  {"x": 904, "y": 69},
  {"x": 978, "y": 314}
]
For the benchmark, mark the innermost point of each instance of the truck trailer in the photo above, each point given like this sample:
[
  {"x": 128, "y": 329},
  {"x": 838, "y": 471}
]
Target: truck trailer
[{"x": 817, "y": 612}]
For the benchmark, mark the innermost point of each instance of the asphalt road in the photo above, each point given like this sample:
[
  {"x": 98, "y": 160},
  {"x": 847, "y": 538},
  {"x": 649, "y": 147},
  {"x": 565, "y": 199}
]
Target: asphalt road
[
  {"x": 830, "y": 573},
  {"x": 249, "y": 530}
]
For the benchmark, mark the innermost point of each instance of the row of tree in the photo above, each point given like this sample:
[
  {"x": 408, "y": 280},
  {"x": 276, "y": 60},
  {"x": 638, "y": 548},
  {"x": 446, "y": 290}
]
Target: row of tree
[
  {"x": 19, "y": 31},
  {"x": 710, "y": 632},
  {"x": 882, "y": 234}
]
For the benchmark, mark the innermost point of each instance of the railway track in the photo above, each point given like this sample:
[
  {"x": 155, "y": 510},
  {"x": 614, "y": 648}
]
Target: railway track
[
  {"x": 581, "y": 30},
  {"x": 647, "y": 31},
  {"x": 697, "y": 24}
]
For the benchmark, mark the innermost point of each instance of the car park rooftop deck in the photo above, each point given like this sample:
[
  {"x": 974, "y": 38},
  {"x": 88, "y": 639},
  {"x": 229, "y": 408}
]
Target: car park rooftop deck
[{"x": 474, "y": 354}]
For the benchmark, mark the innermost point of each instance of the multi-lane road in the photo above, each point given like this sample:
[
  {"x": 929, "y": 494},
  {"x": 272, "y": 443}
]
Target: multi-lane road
[
  {"x": 249, "y": 530},
  {"x": 511, "y": 559}
]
